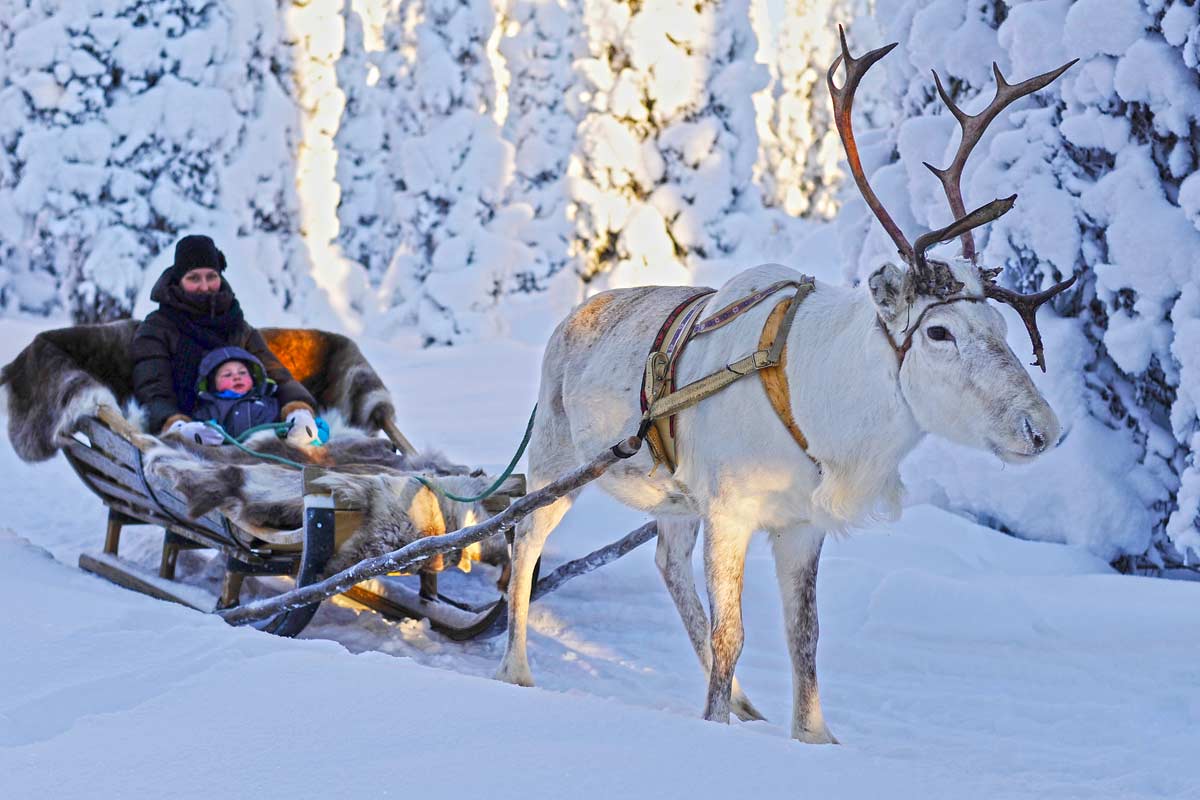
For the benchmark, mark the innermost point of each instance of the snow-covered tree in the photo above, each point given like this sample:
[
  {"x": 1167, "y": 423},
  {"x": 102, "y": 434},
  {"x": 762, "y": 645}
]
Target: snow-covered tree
[
  {"x": 667, "y": 148},
  {"x": 368, "y": 228},
  {"x": 1104, "y": 162},
  {"x": 125, "y": 123},
  {"x": 799, "y": 166},
  {"x": 432, "y": 193},
  {"x": 316, "y": 35},
  {"x": 543, "y": 41}
]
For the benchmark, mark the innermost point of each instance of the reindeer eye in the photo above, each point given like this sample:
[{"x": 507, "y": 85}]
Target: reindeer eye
[{"x": 939, "y": 334}]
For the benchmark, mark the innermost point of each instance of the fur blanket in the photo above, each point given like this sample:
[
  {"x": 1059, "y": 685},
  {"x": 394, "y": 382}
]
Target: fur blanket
[
  {"x": 64, "y": 374},
  {"x": 259, "y": 496}
]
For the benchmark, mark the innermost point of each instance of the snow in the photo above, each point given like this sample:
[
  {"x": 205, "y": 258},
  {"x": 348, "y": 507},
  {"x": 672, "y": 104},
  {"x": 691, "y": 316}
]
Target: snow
[
  {"x": 955, "y": 661},
  {"x": 1151, "y": 73},
  {"x": 1178, "y": 22},
  {"x": 142, "y": 120},
  {"x": 1104, "y": 26}
]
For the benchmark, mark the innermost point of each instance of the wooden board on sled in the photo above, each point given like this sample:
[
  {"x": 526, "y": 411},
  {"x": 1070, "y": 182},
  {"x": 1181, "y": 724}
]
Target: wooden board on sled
[{"x": 109, "y": 455}]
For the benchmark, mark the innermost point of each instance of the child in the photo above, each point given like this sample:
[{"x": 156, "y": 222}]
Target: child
[{"x": 234, "y": 390}]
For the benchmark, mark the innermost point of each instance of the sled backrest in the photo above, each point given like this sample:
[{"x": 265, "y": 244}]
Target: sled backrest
[{"x": 337, "y": 374}]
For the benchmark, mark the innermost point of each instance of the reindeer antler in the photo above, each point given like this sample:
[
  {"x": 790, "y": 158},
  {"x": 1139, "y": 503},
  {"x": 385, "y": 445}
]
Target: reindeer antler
[
  {"x": 939, "y": 280},
  {"x": 1027, "y": 305},
  {"x": 843, "y": 101},
  {"x": 964, "y": 224},
  {"x": 973, "y": 126}
]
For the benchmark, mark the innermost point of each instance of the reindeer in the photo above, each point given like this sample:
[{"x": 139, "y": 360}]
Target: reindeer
[{"x": 870, "y": 374}]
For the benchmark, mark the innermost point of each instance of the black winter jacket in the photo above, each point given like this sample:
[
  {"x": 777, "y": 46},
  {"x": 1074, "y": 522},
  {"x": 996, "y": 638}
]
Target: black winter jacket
[{"x": 161, "y": 342}]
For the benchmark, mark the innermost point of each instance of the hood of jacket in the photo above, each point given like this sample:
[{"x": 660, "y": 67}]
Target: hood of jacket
[{"x": 215, "y": 358}]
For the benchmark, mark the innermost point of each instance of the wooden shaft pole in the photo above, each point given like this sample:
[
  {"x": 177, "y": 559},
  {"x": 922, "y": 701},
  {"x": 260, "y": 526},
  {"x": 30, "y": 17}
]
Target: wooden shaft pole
[
  {"x": 397, "y": 438},
  {"x": 406, "y": 557}
]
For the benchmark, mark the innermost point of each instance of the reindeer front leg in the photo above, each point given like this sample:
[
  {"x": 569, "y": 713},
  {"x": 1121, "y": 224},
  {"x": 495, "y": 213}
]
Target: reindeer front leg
[
  {"x": 797, "y": 553},
  {"x": 527, "y": 548},
  {"x": 673, "y": 557},
  {"x": 725, "y": 540}
]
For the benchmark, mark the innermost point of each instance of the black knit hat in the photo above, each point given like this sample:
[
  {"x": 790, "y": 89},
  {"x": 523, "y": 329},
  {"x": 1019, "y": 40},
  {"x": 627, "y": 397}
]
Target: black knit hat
[{"x": 196, "y": 252}]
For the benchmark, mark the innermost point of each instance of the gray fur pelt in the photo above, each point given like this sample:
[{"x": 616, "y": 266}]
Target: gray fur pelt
[
  {"x": 344, "y": 380},
  {"x": 256, "y": 493},
  {"x": 396, "y": 509},
  {"x": 65, "y": 373}
]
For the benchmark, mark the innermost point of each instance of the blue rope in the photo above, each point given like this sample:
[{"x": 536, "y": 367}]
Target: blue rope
[
  {"x": 495, "y": 487},
  {"x": 278, "y": 427},
  {"x": 281, "y": 429}
]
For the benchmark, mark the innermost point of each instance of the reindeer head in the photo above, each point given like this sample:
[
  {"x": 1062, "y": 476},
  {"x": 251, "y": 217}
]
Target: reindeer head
[{"x": 958, "y": 374}]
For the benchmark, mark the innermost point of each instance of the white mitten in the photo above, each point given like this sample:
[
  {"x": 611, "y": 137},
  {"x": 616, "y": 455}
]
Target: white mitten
[
  {"x": 197, "y": 432},
  {"x": 303, "y": 432}
]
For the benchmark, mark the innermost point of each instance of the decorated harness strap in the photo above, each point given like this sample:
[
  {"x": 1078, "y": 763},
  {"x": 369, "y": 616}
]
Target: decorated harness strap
[
  {"x": 659, "y": 377},
  {"x": 661, "y": 400},
  {"x": 739, "y": 307}
]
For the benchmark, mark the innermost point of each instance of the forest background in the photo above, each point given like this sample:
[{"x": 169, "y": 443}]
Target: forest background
[{"x": 431, "y": 172}]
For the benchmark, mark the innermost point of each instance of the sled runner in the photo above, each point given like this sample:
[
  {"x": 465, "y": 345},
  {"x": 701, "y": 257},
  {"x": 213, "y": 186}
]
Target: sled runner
[{"x": 117, "y": 462}]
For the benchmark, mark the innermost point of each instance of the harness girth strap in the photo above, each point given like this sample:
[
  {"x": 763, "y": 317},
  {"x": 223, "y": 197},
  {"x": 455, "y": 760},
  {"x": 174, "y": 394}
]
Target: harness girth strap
[
  {"x": 774, "y": 379},
  {"x": 661, "y": 400}
]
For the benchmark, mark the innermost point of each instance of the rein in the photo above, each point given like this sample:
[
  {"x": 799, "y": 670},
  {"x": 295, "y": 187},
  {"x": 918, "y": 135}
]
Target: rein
[{"x": 281, "y": 428}]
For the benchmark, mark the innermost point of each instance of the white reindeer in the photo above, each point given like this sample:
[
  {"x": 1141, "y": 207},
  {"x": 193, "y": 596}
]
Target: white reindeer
[{"x": 871, "y": 372}]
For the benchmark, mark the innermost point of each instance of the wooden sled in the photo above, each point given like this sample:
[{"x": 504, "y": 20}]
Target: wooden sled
[
  {"x": 107, "y": 452},
  {"x": 108, "y": 455}
]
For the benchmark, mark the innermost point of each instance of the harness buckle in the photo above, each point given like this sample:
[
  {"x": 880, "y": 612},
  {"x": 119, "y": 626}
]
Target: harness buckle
[
  {"x": 762, "y": 359},
  {"x": 656, "y": 376}
]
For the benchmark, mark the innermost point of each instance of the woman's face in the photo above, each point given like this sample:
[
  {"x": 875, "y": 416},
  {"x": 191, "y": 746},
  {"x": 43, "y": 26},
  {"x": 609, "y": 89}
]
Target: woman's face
[{"x": 201, "y": 281}]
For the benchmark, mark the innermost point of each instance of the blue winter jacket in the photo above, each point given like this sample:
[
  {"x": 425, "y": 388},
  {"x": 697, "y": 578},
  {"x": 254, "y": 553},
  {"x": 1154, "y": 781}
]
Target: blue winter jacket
[{"x": 235, "y": 413}]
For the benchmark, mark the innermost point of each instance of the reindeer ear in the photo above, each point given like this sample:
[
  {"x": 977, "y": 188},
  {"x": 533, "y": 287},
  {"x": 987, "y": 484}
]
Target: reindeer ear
[{"x": 892, "y": 290}]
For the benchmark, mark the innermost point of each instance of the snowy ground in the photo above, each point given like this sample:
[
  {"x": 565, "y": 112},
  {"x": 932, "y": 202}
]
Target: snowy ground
[{"x": 955, "y": 662}]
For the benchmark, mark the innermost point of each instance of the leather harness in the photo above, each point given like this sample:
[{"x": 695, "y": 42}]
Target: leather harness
[{"x": 661, "y": 400}]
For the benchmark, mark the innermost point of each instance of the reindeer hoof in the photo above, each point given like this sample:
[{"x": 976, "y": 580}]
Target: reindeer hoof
[
  {"x": 517, "y": 677},
  {"x": 741, "y": 706},
  {"x": 822, "y": 736}
]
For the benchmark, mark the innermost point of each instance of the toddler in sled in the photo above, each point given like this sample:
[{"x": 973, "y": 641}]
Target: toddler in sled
[{"x": 235, "y": 392}]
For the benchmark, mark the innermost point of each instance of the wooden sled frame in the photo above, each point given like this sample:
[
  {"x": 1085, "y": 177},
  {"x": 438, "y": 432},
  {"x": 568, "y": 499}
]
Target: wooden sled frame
[{"x": 108, "y": 455}]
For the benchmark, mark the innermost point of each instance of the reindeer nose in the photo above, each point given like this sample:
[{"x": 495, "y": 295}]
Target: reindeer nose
[{"x": 1036, "y": 438}]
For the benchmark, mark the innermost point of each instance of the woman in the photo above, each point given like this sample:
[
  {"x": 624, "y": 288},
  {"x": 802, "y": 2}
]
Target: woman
[{"x": 197, "y": 312}]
